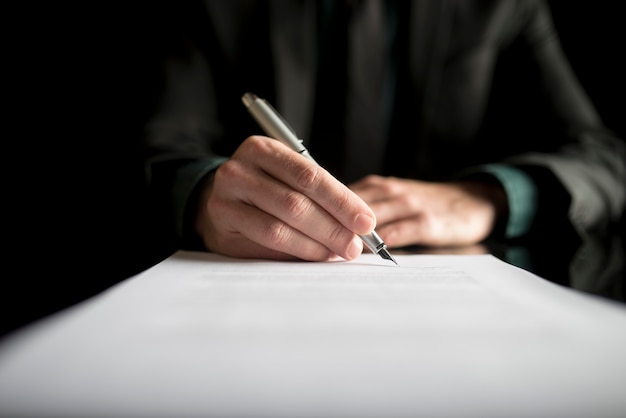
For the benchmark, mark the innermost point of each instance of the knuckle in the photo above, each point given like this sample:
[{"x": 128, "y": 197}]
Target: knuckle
[
  {"x": 372, "y": 179},
  {"x": 228, "y": 170},
  {"x": 390, "y": 188},
  {"x": 307, "y": 177},
  {"x": 342, "y": 201},
  {"x": 277, "y": 233},
  {"x": 295, "y": 204},
  {"x": 256, "y": 142},
  {"x": 253, "y": 146},
  {"x": 336, "y": 234}
]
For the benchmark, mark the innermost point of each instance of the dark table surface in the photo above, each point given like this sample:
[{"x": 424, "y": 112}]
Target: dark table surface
[{"x": 595, "y": 265}]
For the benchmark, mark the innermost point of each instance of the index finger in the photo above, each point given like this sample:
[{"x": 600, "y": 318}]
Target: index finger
[{"x": 312, "y": 180}]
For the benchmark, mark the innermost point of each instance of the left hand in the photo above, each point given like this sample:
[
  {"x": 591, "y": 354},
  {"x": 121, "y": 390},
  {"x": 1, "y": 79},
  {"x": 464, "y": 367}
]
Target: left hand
[{"x": 412, "y": 212}]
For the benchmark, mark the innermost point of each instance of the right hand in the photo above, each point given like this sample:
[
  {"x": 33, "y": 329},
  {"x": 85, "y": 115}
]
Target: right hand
[{"x": 268, "y": 201}]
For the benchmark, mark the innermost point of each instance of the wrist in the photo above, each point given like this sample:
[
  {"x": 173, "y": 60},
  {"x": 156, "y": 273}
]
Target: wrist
[{"x": 492, "y": 194}]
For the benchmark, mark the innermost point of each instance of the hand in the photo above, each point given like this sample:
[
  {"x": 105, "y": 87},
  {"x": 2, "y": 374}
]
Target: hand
[
  {"x": 268, "y": 201},
  {"x": 411, "y": 212}
]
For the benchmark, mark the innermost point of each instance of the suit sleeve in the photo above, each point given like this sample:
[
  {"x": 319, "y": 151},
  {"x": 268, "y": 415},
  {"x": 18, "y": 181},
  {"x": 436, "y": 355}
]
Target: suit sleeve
[
  {"x": 178, "y": 139},
  {"x": 591, "y": 164}
]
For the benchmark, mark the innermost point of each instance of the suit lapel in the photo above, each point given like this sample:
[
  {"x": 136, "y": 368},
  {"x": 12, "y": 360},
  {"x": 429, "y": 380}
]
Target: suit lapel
[{"x": 292, "y": 27}]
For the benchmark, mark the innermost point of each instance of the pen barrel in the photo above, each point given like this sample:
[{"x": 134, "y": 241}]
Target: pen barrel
[
  {"x": 274, "y": 125},
  {"x": 373, "y": 242}
]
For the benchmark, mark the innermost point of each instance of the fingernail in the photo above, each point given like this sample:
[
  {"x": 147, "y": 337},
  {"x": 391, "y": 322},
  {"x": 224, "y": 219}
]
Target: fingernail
[{"x": 364, "y": 223}]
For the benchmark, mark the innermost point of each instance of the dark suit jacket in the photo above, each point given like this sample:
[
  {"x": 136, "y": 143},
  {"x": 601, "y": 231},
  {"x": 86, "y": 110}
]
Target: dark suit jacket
[{"x": 477, "y": 82}]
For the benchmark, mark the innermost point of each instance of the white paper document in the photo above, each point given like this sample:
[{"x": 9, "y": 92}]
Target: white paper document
[{"x": 201, "y": 335}]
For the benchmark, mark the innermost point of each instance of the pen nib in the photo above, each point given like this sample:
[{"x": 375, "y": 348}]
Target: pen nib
[{"x": 384, "y": 253}]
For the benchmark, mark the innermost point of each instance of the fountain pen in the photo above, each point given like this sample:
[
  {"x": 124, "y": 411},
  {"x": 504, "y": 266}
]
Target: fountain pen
[{"x": 276, "y": 127}]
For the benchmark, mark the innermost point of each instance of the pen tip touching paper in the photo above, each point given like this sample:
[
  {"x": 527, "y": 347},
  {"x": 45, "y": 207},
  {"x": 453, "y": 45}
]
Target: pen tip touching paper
[{"x": 384, "y": 253}]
